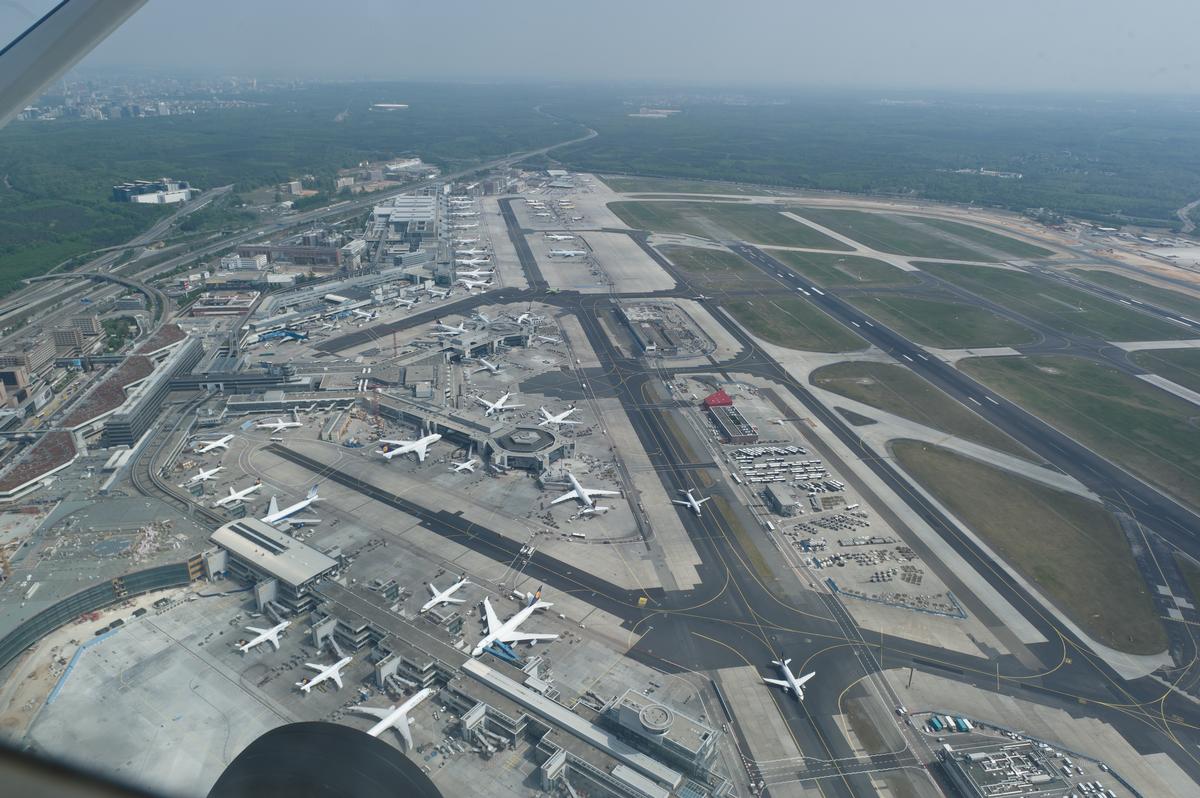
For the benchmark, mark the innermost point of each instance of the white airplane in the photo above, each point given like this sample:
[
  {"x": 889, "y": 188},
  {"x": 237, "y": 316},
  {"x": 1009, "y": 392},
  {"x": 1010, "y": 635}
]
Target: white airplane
[
  {"x": 464, "y": 214},
  {"x": 203, "y": 447},
  {"x": 691, "y": 501},
  {"x": 203, "y": 476},
  {"x": 470, "y": 285},
  {"x": 264, "y": 636},
  {"x": 365, "y": 314},
  {"x": 488, "y": 366},
  {"x": 482, "y": 317},
  {"x": 278, "y": 425},
  {"x": 472, "y": 261},
  {"x": 499, "y": 406},
  {"x": 275, "y": 515},
  {"x": 420, "y": 447},
  {"x": 441, "y": 597},
  {"x": 473, "y": 252},
  {"x": 235, "y": 495},
  {"x": 446, "y": 328},
  {"x": 395, "y": 717},
  {"x": 467, "y": 465},
  {"x": 509, "y": 631},
  {"x": 475, "y": 274},
  {"x": 544, "y": 214},
  {"x": 561, "y": 418},
  {"x": 459, "y": 241},
  {"x": 548, "y": 339},
  {"x": 558, "y": 237},
  {"x": 440, "y": 293},
  {"x": 568, "y": 253},
  {"x": 405, "y": 303},
  {"x": 789, "y": 682},
  {"x": 463, "y": 226},
  {"x": 584, "y": 495},
  {"x": 524, "y": 317},
  {"x": 324, "y": 673}
]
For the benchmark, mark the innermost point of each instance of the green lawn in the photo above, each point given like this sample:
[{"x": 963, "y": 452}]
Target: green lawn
[
  {"x": 700, "y": 197},
  {"x": 1136, "y": 289},
  {"x": 1067, "y": 309},
  {"x": 716, "y": 269},
  {"x": 758, "y": 224},
  {"x": 942, "y": 323},
  {"x": 897, "y": 390},
  {"x": 894, "y": 233},
  {"x": 664, "y": 185},
  {"x": 844, "y": 271},
  {"x": 1180, "y": 366},
  {"x": 1132, "y": 423},
  {"x": 1072, "y": 548},
  {"x": 794, "y": 323},
  {"x": 977, "y": 235}
]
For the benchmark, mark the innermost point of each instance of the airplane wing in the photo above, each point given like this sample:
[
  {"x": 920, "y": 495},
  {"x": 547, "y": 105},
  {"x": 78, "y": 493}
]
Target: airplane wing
[
  {"x": 374, "y": 712},
  {"x": 517, "y": 637},
  {"x": 778, "y": 682},
  {"x": 433, "y": 591},
  {"x": 317, "y": 668},
  {"x": 256, "y": 630},
  {"x": 591, "y": 492},
  {"x": 401, "y": 725},
  {"x": 803, "y": 679},
  {"x": 337, "y": 679},
  {"x": 680, "y": 502},
  {"x": 493, "y": 622},
  {"x": 421, "y": 449},
  {"x": 454, "y": 600},
  {"x": 571, "y": 494},
  {"x": 274, "y": 642}
]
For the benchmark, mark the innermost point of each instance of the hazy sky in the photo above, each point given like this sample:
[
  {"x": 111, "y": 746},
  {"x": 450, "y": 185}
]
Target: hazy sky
[{"x": 1088, "y": 45}]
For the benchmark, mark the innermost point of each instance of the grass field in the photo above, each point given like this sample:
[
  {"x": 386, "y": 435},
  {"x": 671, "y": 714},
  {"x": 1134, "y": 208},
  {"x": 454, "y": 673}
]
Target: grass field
[
  {"x": 1072, "y": 548},
  {"x": 942, "y": 323},
  {"x": 897, "y": 390},
  {"x": 844, "y": 271},
  {"x": 1180, "y": 366},
  {"x": 1140, "y": 427},
  {"x": 794, "y": 323},
  {"x": 1067, "y": 309},
  {"x": 899, "y": 235},
  {"x": 665, "y": 185},
  {"x": 701, "y": 197},
  {"x": 995, "y": 241},
  {"x": 759, "y": 224},
  {"x": 1136, "y": 289},
  {"x": 715, "y": 269}
]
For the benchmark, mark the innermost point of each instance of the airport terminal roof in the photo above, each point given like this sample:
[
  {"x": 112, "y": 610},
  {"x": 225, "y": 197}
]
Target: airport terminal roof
[
  {"x": 109, "y": 394},
  {"x": 266, "y": 549},
  {"x": 53, "y": 450},
  {"x": 166, "y": 335}
]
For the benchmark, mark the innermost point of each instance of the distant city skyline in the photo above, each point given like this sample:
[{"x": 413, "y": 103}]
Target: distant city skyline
[{"x": 1022, "y": 45}]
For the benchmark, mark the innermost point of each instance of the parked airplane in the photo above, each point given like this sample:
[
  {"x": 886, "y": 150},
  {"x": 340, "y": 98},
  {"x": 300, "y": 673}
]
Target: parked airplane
[
  {"x": 691, "y": 502},
  {"x": 275, "y": 515},
  {"x": 544, "y": 215},
  {"x": 405, "y": 303},
  {"x": 441, "y": 597},
  {"x": 568, "y": 253},
  {"x": 473, "y": 252},
  {"x": 548, "y": 339},
  {"x": 475, "y": 274},
  {"x": 561, "y": 418},
  {"x": 464, "y": 214},
  {"x": 509, "y": 631},
  {"x": 264, "y": 636},
  {"x": 789, "y": 682},
  {"x": 203, "y": 476},
  {"x": 446, "y": 328},
  {"x": 488, "y": 366},
  {"x": 368, "y": 315},
  {"x": 463, "y": 226},
  {"x": 467, "y": 465},
  {"x": 203, "y": 447},
  {"x": 498, "y": 406},
  {"x": 524, "y": 317},
  {"x": 470, "y": 285},
  {"x": 472, "y": 261},
  {"x": 395, "y": 717},
  {"x": 459, "y": 241},
  {"x": 325, "y": 673},
  {"x": 278, "y": 425},
  {"x": 235, "y": 495},
  {"x": 420, "y": 447},
  {"x": 439, "y": 293},
  {"x": 584, "y": 495},
  {"x": 558, "y": 237},
  {"x": 482, "y": 317}
]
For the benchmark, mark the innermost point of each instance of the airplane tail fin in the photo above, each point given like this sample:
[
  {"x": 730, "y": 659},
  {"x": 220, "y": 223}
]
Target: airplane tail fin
[{"x": 312, "y": 493}]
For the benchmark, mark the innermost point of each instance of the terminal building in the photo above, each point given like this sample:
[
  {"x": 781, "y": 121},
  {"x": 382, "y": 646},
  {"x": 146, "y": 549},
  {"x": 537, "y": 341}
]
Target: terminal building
[
  {"x": 731, "y": 424},
  {"x": 282, "y": 569},
  {"x": 1011, "y": 770},
  {"x": 143, "y": 402}
]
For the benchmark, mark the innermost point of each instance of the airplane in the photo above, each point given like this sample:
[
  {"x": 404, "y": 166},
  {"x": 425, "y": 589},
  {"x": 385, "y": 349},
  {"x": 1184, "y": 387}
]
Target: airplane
[
  {"x": 473, "y": 284},
  {"x": 544, "y": 215},
  {"x": 468, "y": 466},
  {"x": 691, "y": 501},
  {"x": 568, "y": 253},
  {"x": 483, "y": 317},
  {"x": 420, "y": 447},
  {"x": 509, "y": 631},
  {"x": 395, "y": 717},
  {"x": 235, "y": 495},
  {"x": 463, "y": 226},
  {"x": 207, "y": 446},
  {"x": 458, "y": 241},
  {"x": 498, "y": 406},
  {"x": 475, "y": 274},
  {"x": 472, "y": 261},
  {"x": 446, "y": 328},
  {"x": 275, "y": 515},
  {"x": 488, "y": 366},
  {"x": 440, "y": 293},
  {"x": 444, "y": 596},
  {"x": 561, "y": 418},
  {"x": 264, "y": 636},
  {"x": 789, "y": 682},
  {"x": 464, "y": 214},
  {"x": 203, "y": 476},
  {"x": 325, "y": 673},
  {"x": 473, "y": 252},
  {"x": 405, "y": 303},
  {"x": 365, "y": 314},
  {"x": 548, "y": 339},
  {"x": 584, "y": 495},
  {"x": 558, "y": 237},
  {"x": 278, "y": 425}
]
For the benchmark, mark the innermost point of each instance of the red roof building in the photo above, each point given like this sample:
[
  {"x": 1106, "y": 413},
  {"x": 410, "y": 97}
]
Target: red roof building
[{"x": 718, "y": 399}]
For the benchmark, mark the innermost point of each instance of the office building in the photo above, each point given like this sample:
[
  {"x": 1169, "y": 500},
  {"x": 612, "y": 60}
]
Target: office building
[{"x": 89, "y": 325}]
